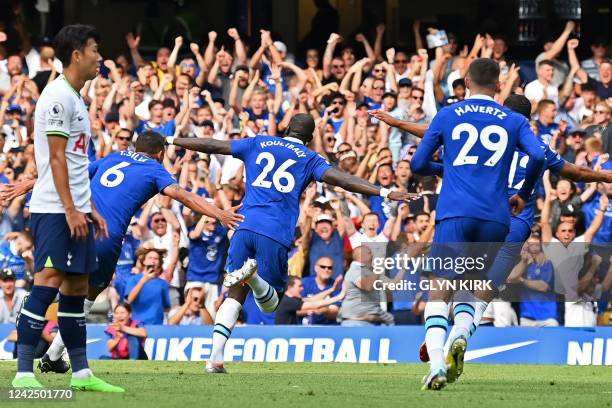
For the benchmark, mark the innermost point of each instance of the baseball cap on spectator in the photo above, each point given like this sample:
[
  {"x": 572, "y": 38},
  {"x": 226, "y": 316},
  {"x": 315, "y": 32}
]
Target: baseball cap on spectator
[
  {"x": 324, "y": 218},
  {"x": 14, "y": 109},
  {"x": 404, "y": 82},
  {"x": 7, "y": 273},
  {"x": 208, "y": 123},
  {"x": 280, "y": 46},
  {"x": 112, "y": 117},
  {"x": 578, "y": 132}
]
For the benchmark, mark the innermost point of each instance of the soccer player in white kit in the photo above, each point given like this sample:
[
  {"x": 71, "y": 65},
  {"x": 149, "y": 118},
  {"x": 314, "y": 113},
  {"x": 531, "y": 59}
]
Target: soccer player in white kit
[{"x": 63, "y": 217}]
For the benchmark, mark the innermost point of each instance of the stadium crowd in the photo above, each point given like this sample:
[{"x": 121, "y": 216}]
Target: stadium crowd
[{"x": 230, "y": 88}]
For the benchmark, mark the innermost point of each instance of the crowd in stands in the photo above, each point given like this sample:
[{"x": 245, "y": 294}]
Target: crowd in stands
[{"x": 229, "y": 88}]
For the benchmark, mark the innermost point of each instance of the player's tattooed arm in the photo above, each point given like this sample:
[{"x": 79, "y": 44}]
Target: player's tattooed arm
[
  {"x": 355, "y": 184},
  {"x": 417, "y": 129},
  {"x": 204, "y": 145}
]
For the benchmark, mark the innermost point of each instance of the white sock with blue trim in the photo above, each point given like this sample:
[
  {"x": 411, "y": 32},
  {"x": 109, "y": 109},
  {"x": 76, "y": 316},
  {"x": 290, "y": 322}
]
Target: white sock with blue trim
[
  {"x": 264, "y": 294},
  {"x": 226, "y": 319},
  {"x": 436, "y": 325}
]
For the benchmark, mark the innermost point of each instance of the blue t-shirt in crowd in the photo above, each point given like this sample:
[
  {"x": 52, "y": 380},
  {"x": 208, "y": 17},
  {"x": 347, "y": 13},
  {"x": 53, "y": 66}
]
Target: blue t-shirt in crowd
[
  {"x": 278, "y": 170},
  {"x": 310, "y": 289},
  {"x": 13, "y": 261},
  {"x": 590, "y": 210},
  {"x": 538, "y": 305},
  {"x": 165, "y": 129},
  {"x": 334, "y": 250},
  {"x": 153, "y": 299},
  {"x": 206, "y": 255},
  {"x": 547, "y": 131}
]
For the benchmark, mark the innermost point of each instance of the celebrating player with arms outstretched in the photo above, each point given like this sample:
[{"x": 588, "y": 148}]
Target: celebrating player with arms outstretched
[
  {"x": 479, "y": 138},
  {"x": 62, "y": 212},
  {"x": 468, "y": 314},
  {"x": 277, "y": 172},
  {"x": 131, "y": 179}
]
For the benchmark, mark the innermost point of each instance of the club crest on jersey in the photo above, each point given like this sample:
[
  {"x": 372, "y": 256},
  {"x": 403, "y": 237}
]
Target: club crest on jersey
[{"x": 56, "y": 110}]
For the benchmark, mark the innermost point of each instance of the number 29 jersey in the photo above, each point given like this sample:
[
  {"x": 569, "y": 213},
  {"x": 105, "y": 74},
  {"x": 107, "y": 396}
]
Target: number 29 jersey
[
  {"x": 479, "y": 138},
  {"x": 121, "y": 183},
  {"x": 277, "y": 172}
]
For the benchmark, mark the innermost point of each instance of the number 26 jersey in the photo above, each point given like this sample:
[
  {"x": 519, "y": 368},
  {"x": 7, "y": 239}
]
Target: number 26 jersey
[{"x": 277, "y": 172}]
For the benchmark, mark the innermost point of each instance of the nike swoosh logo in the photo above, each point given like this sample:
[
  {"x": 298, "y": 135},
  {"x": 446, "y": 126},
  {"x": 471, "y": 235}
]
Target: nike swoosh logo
[
  {"x": 92, "y": 340},
  {"x": 488, "y": 351}
]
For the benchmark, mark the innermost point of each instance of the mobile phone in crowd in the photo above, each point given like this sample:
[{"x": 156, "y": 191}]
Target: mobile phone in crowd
[{"x": 437, "y": 40}]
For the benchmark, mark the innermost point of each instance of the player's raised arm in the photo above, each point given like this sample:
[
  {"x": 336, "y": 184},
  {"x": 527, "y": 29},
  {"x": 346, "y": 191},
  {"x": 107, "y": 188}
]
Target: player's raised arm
[
  {"x": 417, "y": 129},
  {"x": 355, "y": 184},
  {"x": 228, "y": 218},
  {"x": 202, "y": 145},
  {"x": 585, "y": 174}
]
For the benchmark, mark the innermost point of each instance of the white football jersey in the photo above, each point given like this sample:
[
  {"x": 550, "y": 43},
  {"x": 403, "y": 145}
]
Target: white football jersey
[{"x": 61, "y": 112}]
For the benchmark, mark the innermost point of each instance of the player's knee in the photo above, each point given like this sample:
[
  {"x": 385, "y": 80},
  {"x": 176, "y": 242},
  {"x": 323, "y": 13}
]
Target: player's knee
[{"x": 75, "y": 285}]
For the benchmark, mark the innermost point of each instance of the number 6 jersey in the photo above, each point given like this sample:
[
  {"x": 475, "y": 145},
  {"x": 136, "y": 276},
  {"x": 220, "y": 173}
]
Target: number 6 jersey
[
  {"x": 277, "y": 172},
  {"x": 479, "y": 138},
  {"x": 61, "y": 112}
]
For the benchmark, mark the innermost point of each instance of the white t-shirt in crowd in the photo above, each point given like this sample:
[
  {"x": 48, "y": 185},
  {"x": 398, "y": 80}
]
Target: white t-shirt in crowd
[{"x": 534, "y": 91}]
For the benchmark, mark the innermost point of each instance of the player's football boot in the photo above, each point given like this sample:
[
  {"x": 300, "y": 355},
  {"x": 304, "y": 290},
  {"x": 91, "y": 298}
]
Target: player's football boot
[
  {"x": 240, "y": 275},
  {"x": 46, "y": 365},
  {"x": 215, "y": 368},
  {"x": 435, "y": 380},
  {"x": 454, "y": 359},
  {"x": 26, "y": 382},
  {"x": 93, "y": 383},
  {"x": 423, "y": 354}
]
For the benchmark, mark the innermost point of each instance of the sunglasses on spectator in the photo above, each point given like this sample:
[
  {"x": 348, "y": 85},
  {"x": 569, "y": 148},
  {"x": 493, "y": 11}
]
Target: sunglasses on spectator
[
  {"x": 380, "y": 70},
  {"x": 419, "y": 98},
  {"x": 188, "y": 65},
  {"x": 338, "y": 66},
  {"x": 156, "y": 220},
  {"x": 327, "y": 267},
  {"x": 126, "y": 139}
]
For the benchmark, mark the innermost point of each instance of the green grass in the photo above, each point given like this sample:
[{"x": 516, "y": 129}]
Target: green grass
[{"x": 181, "y": 384}]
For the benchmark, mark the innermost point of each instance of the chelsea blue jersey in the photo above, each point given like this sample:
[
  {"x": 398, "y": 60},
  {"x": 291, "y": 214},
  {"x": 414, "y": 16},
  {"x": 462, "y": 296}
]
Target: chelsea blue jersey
[
  {"x": 121, "y": 183},
  {"x": 277, "y": 172},
  {"x": 479, "y": 138},
  {"x": 516, "y": 177}
]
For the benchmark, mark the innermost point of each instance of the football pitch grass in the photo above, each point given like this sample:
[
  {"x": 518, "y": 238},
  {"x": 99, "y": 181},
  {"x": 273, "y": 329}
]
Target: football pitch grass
[{"x": 155, "y": 384}]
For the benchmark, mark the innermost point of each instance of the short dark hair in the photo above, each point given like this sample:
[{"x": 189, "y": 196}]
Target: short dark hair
[
  {"x": 546, "y": 62},
  {"x": 422, "y": 213},
  {"x": 484, "y": 72},
  {"x": 73, "y": 37},
  {"x": 155, "y": 102},
  {"x": 519, "y": 104},
  {"x": 588, "y": 87},
  {"x": 150, "y": 142},
  {"x": 458, "y": 82},
  {"x": 291, "y": 280},
  {"x": 124, "y": 305}
]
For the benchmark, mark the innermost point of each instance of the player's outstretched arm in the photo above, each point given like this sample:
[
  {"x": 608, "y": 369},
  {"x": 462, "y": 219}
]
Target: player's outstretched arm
[
  {"x": 228, "y": 218},
  {"x": 585, "y": 174},
  {"x": 355, "y": 184},
  {"x": 417, "y": 129},
  {"x": 202, "y": 145}
]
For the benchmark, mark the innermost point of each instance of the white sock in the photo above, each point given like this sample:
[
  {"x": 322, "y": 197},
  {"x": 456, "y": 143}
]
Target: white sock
[
  {"x": 56, "y": 349},
  {"x": 24, "y": 374},
  {"x": 264, "y": 294},
  {"x": 227, "y": 315},
  {"x": 480, "y": 307},
  {"x": 436, "y": 325},
  {"x": 82, "y": 374}
]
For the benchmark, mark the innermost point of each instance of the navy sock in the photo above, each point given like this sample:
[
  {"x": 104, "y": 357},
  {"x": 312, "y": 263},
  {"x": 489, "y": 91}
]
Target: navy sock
[
  {"x": 71, "y": 321},
  {"x": 30, "y": 325}
]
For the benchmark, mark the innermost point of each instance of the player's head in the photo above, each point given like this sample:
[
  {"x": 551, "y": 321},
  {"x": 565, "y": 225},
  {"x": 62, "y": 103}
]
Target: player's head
[
  {"x": 77, "y": 46},
  {"x": 483, "y": 76},
  {"x": 301, "y": 127},
  {"x": 152, "y": 144},
  {"x": 519, "y": 104}
]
